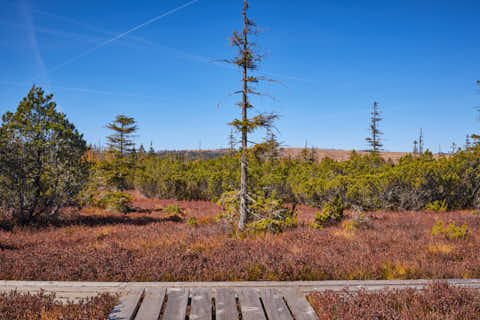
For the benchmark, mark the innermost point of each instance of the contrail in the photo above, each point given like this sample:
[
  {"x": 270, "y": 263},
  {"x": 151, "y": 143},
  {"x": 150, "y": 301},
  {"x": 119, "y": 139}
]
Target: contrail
[
  {"x": 30, "y": 27},
  {"x": 86, "y": 90},
  {"x": 87, "y": 26},
  {"x": 89, "y": 51}
]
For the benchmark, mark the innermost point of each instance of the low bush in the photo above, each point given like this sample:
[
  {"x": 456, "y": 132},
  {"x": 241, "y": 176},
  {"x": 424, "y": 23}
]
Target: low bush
[
  {"x": 267, "y": 213},
  {"x": 150, "y": 247},
  {"x": 437, "y": 206},
  {"x": 331, "y": 214},
  {"x": 42, "y": 306},
  {"x": 115, "y": 201},
  {"x": 357, "y": 222},
  {"x": 452, "y": 231},
  {"x": 436, "y": 301},
  {"x": 173, "y": 209},
  {"x": 367, "y": 182}
]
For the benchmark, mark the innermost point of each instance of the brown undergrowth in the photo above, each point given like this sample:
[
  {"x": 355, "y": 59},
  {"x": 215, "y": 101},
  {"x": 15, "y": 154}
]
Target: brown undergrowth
[
  {"x": 42, "y": 306},
  {"x": 436, "y": 301},
  {"x": 149, "y": 246}
]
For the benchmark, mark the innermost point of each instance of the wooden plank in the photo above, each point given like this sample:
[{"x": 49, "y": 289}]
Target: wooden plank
[
  {"x": 226, "y": 304},
  {"x": 151, "y": 304},
  {"x": 176, "y": 304},
  {"x": 298, "y": 304},
  {"x": 127, "y": 306},
  {"x": 274, "y": 305},
  {"x": 250, "y": 304},
  {"x": 201, "y": 308}
]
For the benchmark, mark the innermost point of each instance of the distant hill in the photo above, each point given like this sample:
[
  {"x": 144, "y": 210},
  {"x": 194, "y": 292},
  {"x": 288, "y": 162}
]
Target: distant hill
[
  {"x": 339, "y": 155},
  {"x": 334, "y": 154}
]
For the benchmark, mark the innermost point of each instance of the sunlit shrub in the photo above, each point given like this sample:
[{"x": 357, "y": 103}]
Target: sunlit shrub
[
  {"x": 192, "y": 222},
  {"x": 452, "y": 231},
  {"x": 173, "y": 208},
  {"x": 332, "y": 213},
  {"x": 267, "y": 213},
  {"x": 15, "y": 305},
  {"x": 437, "y": 206},
  {"x": 357, "y": 222},
  {"x": 116, "y": 201}
]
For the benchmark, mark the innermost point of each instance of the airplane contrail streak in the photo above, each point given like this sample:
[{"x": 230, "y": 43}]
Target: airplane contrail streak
[{"x": 89, "y": 51}]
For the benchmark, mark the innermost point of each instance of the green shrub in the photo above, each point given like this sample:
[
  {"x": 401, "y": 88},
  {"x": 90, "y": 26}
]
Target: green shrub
[
  {"x": 367, "y": 182},
  {"x": 437, "y": 206},
  {"x": 452, "y": 231},
  {"x": 332, "y": 213},
  {"x": 358, "y": 221},
  {"x": 267, "y": 213},
  {"x": 173, "y": 208},
  {"x": 116, "y": 201},
  {"x": 192, "y": 221},
  {"x": 42, "y": 163}
]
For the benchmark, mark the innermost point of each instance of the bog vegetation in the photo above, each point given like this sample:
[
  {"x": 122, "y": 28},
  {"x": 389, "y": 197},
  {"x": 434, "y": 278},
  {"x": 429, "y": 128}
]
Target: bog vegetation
[
  {"x": 42, "y": 306},
  {"x": 437, "y": 301}
]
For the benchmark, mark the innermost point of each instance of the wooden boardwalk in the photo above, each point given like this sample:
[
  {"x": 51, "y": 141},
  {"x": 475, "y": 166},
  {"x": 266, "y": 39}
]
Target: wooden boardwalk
[
  {"x": 213, "y": 300},
  {"x": 210, "y": 303}
]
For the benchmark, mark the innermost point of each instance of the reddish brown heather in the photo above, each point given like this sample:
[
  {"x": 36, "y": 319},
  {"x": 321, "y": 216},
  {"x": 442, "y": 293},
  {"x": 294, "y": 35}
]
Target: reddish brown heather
[
  {"x": 41, "y": 306},
  {"x": 101, "y": 246},
  {"x": 437, "y": 301}
]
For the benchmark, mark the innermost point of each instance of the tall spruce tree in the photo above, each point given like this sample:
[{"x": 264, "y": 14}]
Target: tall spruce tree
[
  {"x": 476, "y": 137},
  {"x": 272, "y": 150},
  {"x": 120, "y": 166},
  {"x": 467, "y": 142},
  {"x": 232, "y": 141},
  {"x": 415, "y": 147},
  {"x": 420, "y": 142},
  {"x": 247, "y": 61},
  {"x": 121, "y": 140},
  {"x": 374, "y": 139}
]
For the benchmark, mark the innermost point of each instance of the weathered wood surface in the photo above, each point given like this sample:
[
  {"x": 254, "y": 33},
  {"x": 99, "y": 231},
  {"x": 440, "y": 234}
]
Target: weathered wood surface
[
  {"x": 127, "y": 306},
  {"x": 210, "y": 303},
  {"x": 225, "y": 304},
  {"x": 298, "y": 304},
  {"x": 274, "y": 304},
  {"x": 256, "y": 300},
  {"x": 177, "y": 299},
  {"x": 250, "y": 305},
  {"x": 152, "y": 304},
  {"x": 201, "y": 307}
]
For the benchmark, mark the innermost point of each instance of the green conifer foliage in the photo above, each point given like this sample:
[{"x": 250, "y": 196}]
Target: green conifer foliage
[{"x": 42, "y": 164}]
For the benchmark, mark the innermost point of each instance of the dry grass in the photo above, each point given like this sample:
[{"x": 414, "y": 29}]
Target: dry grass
[
  {"x": 101, "y": 246},
  {"x": 437, "y": 301},
  {"x": 41, "y": 306}
]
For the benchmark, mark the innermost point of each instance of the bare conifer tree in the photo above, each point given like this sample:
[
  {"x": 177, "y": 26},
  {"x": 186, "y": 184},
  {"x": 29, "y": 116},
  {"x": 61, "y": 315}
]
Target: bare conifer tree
[
  {"x": 467, "y": 142},
  {"x": 272, "y": 145},
  {"x": 232, "y": 141},
  {"x": 453, "y": 148},
  {"x": 476, "y": 137},
  {"x": 374, "y": 139},
  {"x": 415, "y": 147},
  {"x": 420, "y": 142},
  {"x": 247, "y": 60}
]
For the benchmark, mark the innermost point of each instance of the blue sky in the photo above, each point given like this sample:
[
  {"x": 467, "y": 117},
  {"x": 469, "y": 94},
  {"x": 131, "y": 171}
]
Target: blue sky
[{"x": 418, "y": 59}]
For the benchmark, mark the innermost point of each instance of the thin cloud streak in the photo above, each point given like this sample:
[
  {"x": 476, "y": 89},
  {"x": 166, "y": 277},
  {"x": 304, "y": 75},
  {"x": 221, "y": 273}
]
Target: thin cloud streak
[
  {"x": 89, "y": 26},
  {"x": 89, "y": 51},
  {"x": 84, "y": 90},
  {"x": 32, "y": 39},
  {"x": 177, "y": 52}
]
